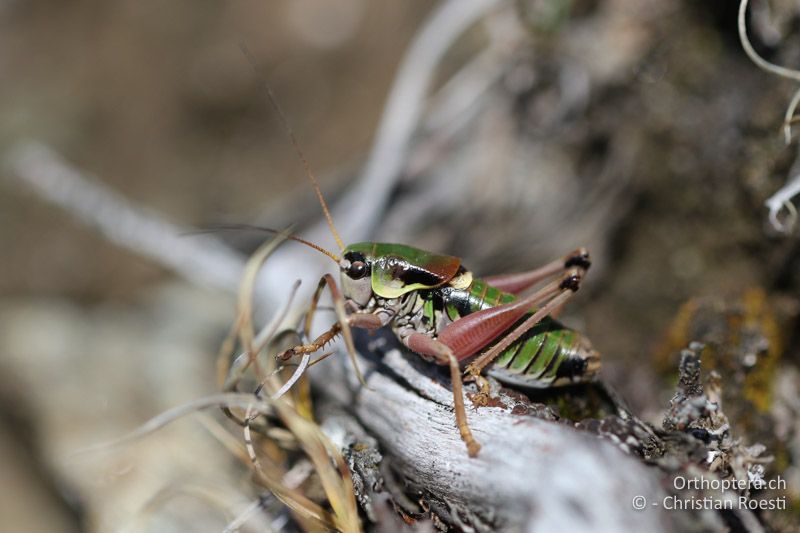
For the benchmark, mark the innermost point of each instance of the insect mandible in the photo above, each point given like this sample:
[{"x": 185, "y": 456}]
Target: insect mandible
[{"x": 439, "y": 310}]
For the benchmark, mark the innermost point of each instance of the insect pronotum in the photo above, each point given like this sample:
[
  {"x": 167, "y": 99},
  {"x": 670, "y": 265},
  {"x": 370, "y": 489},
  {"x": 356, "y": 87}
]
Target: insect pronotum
[{"x": 441, "y": 311}]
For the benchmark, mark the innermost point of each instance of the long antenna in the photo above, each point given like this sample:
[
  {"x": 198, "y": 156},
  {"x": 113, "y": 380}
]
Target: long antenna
[
  {"x": 221, "y": 227},
  {"x": 296, "y": 145}
]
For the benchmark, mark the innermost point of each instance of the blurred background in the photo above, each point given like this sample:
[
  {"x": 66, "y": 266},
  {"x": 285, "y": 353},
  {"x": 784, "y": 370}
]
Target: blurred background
[{"x": 637, "y": 128}]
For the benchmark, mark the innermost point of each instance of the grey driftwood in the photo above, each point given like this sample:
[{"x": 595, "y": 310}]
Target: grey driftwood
[{"x": 531, "y": 474}]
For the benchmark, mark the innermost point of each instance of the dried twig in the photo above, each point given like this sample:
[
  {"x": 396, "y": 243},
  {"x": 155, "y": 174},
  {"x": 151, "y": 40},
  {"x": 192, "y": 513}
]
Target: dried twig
[
  {"x": 402, "y": 113},
  {"x": 201, "y": 259},
  {"x": 782, "y": 199}
]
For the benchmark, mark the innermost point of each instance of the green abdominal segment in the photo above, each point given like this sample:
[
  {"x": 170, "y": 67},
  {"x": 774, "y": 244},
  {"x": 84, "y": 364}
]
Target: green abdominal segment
[{"x": 539, "y": 357}]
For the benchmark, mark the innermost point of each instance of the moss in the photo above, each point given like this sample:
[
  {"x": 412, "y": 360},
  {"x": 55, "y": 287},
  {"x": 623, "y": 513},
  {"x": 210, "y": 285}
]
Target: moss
[
  {"x": 758, "y": 318},
  {"x": 743, "y": 343}
]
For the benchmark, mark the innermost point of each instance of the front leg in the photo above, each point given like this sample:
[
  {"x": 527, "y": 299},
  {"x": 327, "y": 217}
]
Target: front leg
[
  {"x": 315, "y": 345},
  {"x": 343, "y": 325},
  {"x": 358, "y": 320}
]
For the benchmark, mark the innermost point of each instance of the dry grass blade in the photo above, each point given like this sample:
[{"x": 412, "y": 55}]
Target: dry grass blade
[
  {"x": 782, "y": 199},
  {"x": 304, "y": 508},
  {"x": 228, "y": 373},
  {"x": 246, "y": 514},
  {"x": 336, "y": 482},
  {"x": 211, "y": 495},
  {"x": 753, "y": 55},
  {"x": 224, "y": 437},
  {"x": 230, "y": 399},
  {"x": 789, "y": 119},
  {"x": 243, "y": 325},
  {"x": 294, "y": 378},
  {"x": 328, "y": 462},
  {"x": 244, "y": 320}
]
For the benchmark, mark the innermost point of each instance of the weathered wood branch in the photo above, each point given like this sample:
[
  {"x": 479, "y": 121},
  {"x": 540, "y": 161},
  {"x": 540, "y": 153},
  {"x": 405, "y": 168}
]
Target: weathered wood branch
[{"x": 531, "y": 474}]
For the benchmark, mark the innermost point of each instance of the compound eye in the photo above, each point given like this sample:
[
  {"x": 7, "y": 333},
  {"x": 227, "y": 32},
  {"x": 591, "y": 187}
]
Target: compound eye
[{"x": 357, "y": 270}]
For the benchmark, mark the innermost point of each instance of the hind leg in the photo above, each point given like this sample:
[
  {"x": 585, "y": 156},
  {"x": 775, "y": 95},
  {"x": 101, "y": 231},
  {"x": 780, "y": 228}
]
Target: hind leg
[
  {"x": 443, "y": 355},
  {"x": 516, "y": 283}
]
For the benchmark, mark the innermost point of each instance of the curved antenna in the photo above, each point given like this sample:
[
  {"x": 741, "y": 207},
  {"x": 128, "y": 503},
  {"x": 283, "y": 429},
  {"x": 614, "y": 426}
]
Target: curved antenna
[
  {"x": 310, "y": 244},
  {"x": 223, "y": 227},
  {"x": 294, "y": 142}
]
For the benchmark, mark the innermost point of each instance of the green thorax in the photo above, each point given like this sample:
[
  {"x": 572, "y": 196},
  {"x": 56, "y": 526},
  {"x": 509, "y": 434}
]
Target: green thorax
[{"x": 480, "y": 296}]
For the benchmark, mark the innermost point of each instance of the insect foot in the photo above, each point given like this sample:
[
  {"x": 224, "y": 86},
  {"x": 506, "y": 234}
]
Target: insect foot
[
  {"x": 579, "y": 258},
  {"x": 473, "y": 373},
  {"x": 483, "y": 397},
  {"x": 571, "y": 281},
  {"x": 316, "y": 345},
  {"x": 285, "y": 356},
  {"x": 473, "y": 448}
]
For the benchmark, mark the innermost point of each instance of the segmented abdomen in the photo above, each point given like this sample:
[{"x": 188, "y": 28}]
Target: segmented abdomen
[{"x": 547, "y": 354}]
